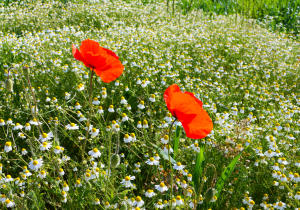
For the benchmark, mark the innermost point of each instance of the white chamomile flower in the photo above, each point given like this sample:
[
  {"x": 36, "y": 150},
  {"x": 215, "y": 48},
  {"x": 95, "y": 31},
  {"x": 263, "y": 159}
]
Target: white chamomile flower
[
  {"x": 165, "y": 139},
  {"x": 123, "y": 100},
  {"x": 24, "y": 151},
  {"x": 96, "y": 101},
  {"x": 94, "y": 132},
  {"x": 34, "y": 122},
  {"x": 77, "y": 105},
  {"x": 45, "y": 146},
  {"x": 150, "y": 193},
  {"x": 82, "y": 118},
  {"x": 72, "y": 126},
  {"x": 7, "y": 147},
  {"x": 35, "y": 165},
  {"x": 66, "y": 187},
  {"x": 46, "y": 136},
  {"x": 161, "y": 187},
  {"x": 58, "y": 149},
  {"x": 100, "y": 110},
  {"x": 8, "y": 178},
  {"x": 151, "y": 161},
  {"x": 127, "y": 138},
  {"x": 18, "y": 126},
  {"x": 124, "y": 117},
  {"x": 111, "y": 108},
  {"x": 126, "y": 182},
  {"x": 141, "y": 105},
  {"x": 42, "y": 174},
  {"x": 9, "y": 203},
  {"x": 61, "y": 172},
  {"x": 21, "y": 135},
  {"x": 95, "y": 153},
  {"x": 152, "y": 98},
  {"x": 138, "y": 202},
  {"x": 67, "y": 96},
  {"x": 2, "y": 122}
]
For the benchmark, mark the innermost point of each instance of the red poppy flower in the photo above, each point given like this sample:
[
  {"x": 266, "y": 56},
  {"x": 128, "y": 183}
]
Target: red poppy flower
[
  {"x": 104, "y": 62},
  {"x": 188, "y": 110}
]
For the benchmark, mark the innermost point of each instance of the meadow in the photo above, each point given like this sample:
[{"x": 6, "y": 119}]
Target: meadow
[{"x": 71, "y": 140}]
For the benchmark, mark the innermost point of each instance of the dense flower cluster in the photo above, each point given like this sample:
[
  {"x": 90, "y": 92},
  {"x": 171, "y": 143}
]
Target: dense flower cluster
[{"x": 59, "y": 150}]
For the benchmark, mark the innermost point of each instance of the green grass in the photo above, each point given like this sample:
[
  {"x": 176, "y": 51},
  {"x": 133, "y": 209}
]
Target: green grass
[{"x": 282, "y": 15}]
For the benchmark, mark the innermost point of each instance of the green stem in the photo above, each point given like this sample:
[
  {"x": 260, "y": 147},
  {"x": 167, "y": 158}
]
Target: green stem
[
  {"x": 171, "y": 167},
  {"x": 89, "y": 113}
]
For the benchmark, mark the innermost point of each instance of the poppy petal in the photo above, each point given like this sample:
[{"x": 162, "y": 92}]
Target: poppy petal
[
  {"x": 168, "y": 96},
  {"x": 90, "y": 46},
  {"x": 76, "y": 53},
  {"x": 114, "y": 70},
  {"x": 188, "y": 110},
  {"x": 111, "y": 53},
  {"x": 196, "y": 99},
  {"x": 199, "y": 127}
]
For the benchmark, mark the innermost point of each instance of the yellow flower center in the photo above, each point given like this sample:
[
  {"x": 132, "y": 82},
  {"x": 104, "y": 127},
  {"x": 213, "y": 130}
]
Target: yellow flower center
[
  {"x": 127, "y": 178},
  {"x": 35, "y": 162},
  {"x": 8, "y": 144},
  {"x": 138, "y": 198},
  {"x": 162, "y": 184}
]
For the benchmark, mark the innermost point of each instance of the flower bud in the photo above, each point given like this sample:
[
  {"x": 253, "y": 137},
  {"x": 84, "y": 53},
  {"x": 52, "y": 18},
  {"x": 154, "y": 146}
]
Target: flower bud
[
  {"x": 9, "y": 85},
  {"x": 115, "y": 160}
]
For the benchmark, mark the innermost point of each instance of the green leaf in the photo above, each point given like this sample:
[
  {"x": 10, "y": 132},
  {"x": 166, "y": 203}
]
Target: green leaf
[
  {"x": 198, "y": 168},
  {"x": 176, "y": 140},
  {"x": 164, "y": 154},
  {"x": 226, "y": 174}
]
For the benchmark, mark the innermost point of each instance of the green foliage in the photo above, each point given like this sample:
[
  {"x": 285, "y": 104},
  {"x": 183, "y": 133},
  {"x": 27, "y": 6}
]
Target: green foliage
[
  {"x": 226, "y": 174},
  {"x": 198, "y": 169},
  {"x": 280, "y": 15},
  {"x": 176, "y": 140}
]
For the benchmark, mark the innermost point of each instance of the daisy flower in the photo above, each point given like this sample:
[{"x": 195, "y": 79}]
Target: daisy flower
[
  {"x": 45, "y": 146},
  {"x": 7, "y": 147},
  {"x": 138, "y": 202},
  {"x": 123, "y": 100},
  {"x": 151, "y": 161},
  {"x": 127, "y": 181},
  {"x": 58, "y": 149},
  {"x": 165, "y": 139},
  {"x": 46, "y": 136},
  {"x": 150, "y": 193},
  {"x": 24, "y": 151},
  {"x": 72, "y": 126},
  {"x": 94, "y": 132},
  {"x": 127, "y": 138},
  {"x": 111, "y": 108},
  {"x": 18, "y": 126},
  {"x": 9, "y": 203},
  {"x": 161, "y": 187},
  {"x": 42, "y": 174},
  {"x": 152, "y": 98},
  {"x": 95, "y": 153},
  {"x": 35, "y": 165}
]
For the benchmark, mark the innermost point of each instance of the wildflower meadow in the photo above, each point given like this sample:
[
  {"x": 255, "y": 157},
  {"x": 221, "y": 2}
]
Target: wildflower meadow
[{"x": 138, "y": 105}]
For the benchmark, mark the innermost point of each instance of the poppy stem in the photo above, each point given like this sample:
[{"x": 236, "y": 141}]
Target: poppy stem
[
  {"x": 171, "y": 167},
  {"x": 90, "y": 111}
]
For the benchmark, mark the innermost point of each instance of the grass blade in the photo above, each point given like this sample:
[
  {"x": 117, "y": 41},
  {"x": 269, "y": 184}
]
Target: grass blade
[
  {"x": 176, "y": 140},
  {"x": 226, "y": 174},
  {"x": 198, "y": 168}
]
